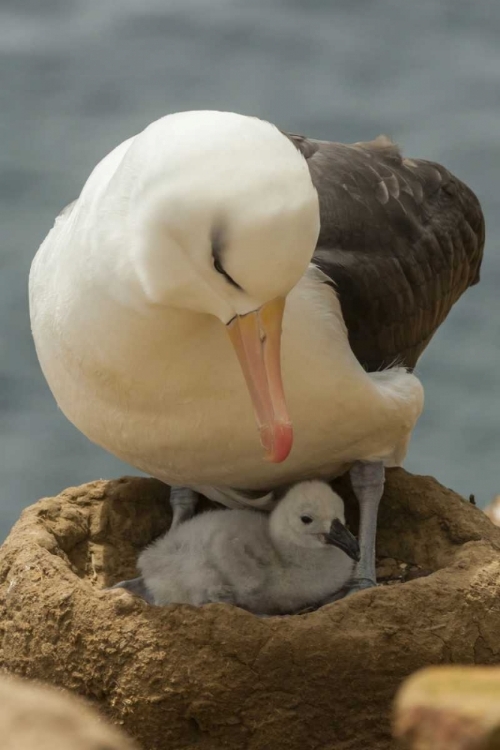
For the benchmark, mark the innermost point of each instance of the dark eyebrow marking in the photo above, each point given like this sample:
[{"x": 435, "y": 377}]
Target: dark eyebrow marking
[{"x": 217, "y": 252}]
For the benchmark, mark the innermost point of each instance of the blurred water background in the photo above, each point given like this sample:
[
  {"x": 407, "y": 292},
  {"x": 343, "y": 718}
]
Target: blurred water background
[{"x": 79, "y": 76}]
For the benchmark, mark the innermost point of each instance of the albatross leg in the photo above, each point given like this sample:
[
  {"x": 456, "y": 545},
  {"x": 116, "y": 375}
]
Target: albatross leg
[
  {"x": 367, "y": 479},
  {"x": 183, "y": 502}
]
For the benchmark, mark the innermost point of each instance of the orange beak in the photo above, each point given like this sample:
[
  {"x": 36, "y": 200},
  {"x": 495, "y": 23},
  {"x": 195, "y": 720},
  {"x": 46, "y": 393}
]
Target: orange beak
[{"x": 256, "y": 338}]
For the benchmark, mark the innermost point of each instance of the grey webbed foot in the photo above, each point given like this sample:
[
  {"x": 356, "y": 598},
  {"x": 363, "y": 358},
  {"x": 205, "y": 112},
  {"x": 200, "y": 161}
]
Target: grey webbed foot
[
  {"x": 355, "y": 585},
  {"x": 362, "y": 583},
  {"x": 137, "y": 587},
  {"x": 359, "y": 584},
  {"x": 183, "y": 501}
]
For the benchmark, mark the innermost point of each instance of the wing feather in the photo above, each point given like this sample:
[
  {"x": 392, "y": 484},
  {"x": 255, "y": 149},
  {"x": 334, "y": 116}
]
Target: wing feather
[{"x": 401, "y": 240}]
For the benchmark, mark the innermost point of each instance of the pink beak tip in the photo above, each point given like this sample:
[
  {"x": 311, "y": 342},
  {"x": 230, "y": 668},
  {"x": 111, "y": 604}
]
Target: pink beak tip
[{"x": 277, "y": 441}]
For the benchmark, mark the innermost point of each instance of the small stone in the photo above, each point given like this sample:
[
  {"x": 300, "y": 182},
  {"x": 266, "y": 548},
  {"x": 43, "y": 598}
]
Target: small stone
[
  {"x": 449, "y": 708},
  {"x": 387, "y": 568},
  {"x": 493, "y": 511},
  {"x": 123, "y": 602}
]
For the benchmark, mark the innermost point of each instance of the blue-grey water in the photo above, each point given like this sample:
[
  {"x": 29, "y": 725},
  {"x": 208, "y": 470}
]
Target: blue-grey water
[{"x": 79, "y": 76}]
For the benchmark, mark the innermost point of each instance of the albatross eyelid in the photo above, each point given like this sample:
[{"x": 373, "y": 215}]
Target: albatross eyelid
[
  {"x": 218, "y": 243},
  {"x": 219, "y": 268}
]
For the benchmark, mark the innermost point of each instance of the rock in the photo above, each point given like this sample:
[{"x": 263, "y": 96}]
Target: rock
[
  {"x": 218, "y": 677},
  {"x": 35, "y": 717},
  {"x": 493, "y": 511},
  {"x": 388, "y": 569},
  {"x": 450, "y": 708}
]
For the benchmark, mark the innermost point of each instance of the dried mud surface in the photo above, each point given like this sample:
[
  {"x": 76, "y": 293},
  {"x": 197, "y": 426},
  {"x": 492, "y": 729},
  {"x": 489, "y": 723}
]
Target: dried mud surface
[{"x": 217, "y": 677}]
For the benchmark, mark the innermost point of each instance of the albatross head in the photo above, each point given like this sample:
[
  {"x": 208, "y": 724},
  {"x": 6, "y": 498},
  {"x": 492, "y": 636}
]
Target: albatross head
[
  {"x": 311, "y": 515},
  {"x": 226, "y": 221}
]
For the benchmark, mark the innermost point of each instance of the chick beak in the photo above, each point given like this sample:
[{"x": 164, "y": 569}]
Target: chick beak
[
  {"x": 340, "y": 537},
  {"x": 256, "y": 338}
]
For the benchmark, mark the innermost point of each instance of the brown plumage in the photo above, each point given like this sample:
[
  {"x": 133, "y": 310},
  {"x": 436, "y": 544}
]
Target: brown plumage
[{"x": 401, "y": 240}]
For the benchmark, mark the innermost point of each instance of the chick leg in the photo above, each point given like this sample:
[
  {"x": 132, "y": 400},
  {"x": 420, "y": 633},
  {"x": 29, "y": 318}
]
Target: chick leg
[
  {"x": 367, "y": 479},
  {"x": 183, "y": 502}
]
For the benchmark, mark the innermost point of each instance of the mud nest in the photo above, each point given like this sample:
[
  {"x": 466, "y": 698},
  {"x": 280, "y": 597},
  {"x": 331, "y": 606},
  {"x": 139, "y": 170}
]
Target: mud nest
[{"x": 217, "y": 677}]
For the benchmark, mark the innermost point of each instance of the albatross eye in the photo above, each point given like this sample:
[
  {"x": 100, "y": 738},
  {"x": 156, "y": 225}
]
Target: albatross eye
[
  {"x": 217, "y": 251},
  {"x": 306, "y": 519},
  {"x": 219, "y": 268}
]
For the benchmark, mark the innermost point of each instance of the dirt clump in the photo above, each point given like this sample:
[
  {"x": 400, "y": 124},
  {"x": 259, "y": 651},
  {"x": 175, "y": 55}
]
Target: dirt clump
[
  {"x": 37, "y": 717},
  {"x": 449, "y": 708}
]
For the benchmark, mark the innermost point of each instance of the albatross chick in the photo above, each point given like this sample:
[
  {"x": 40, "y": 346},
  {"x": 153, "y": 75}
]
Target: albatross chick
[{"x": 298, "y": 555}]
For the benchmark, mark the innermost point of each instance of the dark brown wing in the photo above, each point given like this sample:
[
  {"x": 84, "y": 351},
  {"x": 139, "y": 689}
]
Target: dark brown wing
[{"x": 401, "y": 240}]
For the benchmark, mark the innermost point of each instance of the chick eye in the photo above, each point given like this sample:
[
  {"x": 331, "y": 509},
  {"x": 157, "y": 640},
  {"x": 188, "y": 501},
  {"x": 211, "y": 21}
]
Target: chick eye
[{"x": 306, "y": 519}]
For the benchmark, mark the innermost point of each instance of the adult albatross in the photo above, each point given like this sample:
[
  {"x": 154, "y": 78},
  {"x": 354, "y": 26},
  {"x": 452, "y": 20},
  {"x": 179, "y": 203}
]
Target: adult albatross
[{"x": 212, "y": 223}]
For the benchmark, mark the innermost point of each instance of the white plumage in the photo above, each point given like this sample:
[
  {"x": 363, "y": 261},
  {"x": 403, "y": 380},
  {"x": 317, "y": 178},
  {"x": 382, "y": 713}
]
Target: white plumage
[
  {"x": 129, "y": 313},
  {"x": 267, "y": 563}
]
